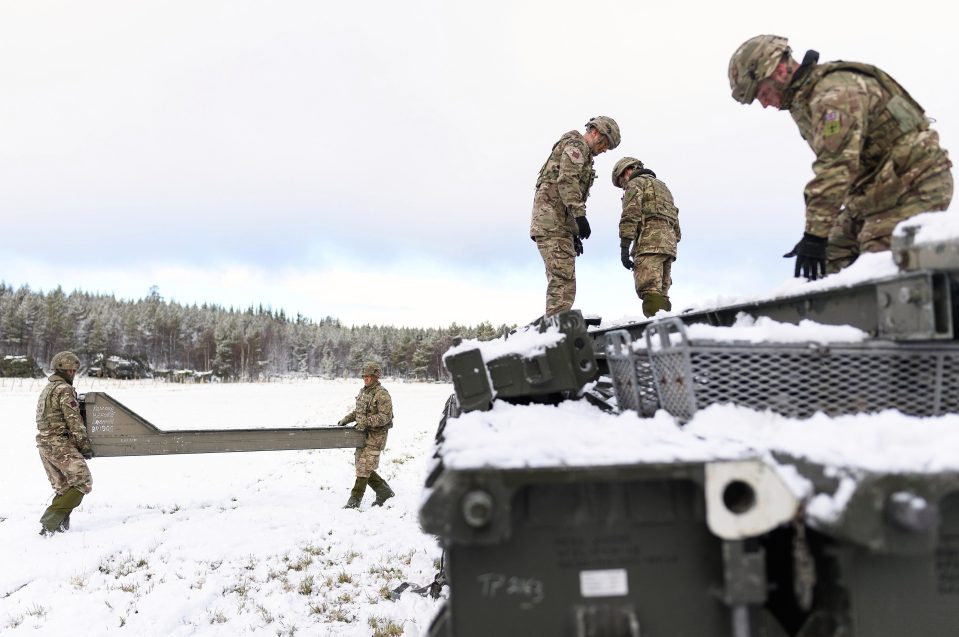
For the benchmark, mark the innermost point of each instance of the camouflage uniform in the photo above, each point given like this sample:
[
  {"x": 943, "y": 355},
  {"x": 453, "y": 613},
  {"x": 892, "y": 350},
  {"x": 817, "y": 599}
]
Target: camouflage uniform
[
  {"x": 650, "y": 220},
  {"x": 62, "y": 439},
  {"x": 877, "y": 160},
  {"x": 374, "y": 415},
  {"x": 562, "y": 188}
]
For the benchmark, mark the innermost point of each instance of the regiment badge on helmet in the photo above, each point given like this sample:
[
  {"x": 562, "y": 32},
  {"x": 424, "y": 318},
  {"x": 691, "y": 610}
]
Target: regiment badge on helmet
[
  {"x": 608, "y": 127},
  {"x": 67, "y": 361},
  {"x": 622, "y": 165},
  {"x": 372, "y": 369},
  {"x": 754, "y": 61}
]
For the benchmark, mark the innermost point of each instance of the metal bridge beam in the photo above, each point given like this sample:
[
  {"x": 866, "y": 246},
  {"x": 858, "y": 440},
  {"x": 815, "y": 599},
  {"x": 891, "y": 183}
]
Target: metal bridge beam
[{"x": 115, "y": 430}]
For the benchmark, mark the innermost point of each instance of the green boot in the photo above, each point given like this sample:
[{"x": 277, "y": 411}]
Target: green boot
[
  {"x": 357, "y": 493},
  {"x": 654, "y": 302},
  {"x": 383, "y": 490},
  {"x": 56, "y": 518}
]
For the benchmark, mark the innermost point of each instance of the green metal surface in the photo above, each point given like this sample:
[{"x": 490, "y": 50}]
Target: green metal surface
[
  {"x": 565, "y": 367},
  {"x": 909, "y": 306},
  {"x": 592, "y": 551}
]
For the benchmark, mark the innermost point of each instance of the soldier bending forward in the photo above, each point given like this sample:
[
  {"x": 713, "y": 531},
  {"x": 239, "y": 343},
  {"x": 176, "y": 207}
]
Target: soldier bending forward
[{"x": 650, "y": 222}]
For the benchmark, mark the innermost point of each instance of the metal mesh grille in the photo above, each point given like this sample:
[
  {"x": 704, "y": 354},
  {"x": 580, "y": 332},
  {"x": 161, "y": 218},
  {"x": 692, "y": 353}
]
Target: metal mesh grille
[
  {"x": 632, "y": 375},
  {"x": 797, "y": 380}
]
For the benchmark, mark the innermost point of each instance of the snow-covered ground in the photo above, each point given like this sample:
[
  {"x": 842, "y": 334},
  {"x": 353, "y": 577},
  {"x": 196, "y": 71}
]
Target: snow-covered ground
[
  {"x": 220, "y": 544},
  {"x": 257, "y": 543}
]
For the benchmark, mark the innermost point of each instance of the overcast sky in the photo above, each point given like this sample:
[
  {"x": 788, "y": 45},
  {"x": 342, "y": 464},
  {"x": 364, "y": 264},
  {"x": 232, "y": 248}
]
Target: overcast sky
[{"x": 375, "y": 161}]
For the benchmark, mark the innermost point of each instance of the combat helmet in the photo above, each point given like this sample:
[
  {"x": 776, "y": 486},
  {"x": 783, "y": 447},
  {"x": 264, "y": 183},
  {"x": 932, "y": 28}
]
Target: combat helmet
[
  {"x": 608, "y": 127},
  {"x": 66, "y": 361},
  {"x": 372, "y": 369},
  {"x": 754, "y": 61},
  {"x": 622, "y": 165}
]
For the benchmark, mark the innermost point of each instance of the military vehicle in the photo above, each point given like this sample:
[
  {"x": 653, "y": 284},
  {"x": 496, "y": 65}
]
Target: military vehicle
[
  {"x": 116, "y": 367},
  {"x": 19, "y": 367},
  {"x": 591, "y": 522}
]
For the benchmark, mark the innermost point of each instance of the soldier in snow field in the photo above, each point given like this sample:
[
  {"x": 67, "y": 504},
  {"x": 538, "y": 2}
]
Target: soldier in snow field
[
  {"x": 374, "y": 415},
  {"x": 63, "y": 444},
  {"x": 877, "y": 160}
]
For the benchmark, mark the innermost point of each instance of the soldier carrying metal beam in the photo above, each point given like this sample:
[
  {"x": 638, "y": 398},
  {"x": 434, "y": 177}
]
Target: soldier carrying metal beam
[
  {"x": 63, "y": 444},
  {"x": 374, "y": 415}
]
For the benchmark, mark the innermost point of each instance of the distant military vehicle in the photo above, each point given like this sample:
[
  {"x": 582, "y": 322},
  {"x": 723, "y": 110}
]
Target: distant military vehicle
[
  {"x": 712, "y": 545},
  {"x": 20, "y": 367},
  {"x": 116, "y": 367}
]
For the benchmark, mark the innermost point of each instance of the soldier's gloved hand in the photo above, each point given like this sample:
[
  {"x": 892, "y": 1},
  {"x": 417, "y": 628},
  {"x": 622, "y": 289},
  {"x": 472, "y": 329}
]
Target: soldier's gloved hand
[
  {"x": 583, "y": 226},
  {"x": 86, "y": 450},
  {"x": 342, "y": 422},
  {"x": 624, "y": 256},
  {"x": 810, "y": 255},
  {"x": 577, "y": 246},
  {"x": 360, "y": 426}
]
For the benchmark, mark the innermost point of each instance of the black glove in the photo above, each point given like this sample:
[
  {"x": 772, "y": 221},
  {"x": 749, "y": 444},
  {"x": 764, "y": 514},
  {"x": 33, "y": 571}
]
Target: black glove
[
  {"x": 583, "y": 226},
  {"x": 86, "y": 451},
  {"x": 624, "y": 256},
  {"x": 810, "y": 255},
  {"x": 343, "y": 422},
  {"x": 578, "y": 246}
]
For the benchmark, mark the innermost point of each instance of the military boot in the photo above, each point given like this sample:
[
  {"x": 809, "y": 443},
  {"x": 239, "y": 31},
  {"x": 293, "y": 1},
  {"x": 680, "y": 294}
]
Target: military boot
[
  {"x": 357, "y": 493},
  {"x": 654, "y": 302},
  {"x": 383, "y": 490},
  {"x": 57, "y": 516}
]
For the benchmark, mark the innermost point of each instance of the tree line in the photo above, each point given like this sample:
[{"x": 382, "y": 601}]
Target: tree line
[{"x": 235, "y": 344}]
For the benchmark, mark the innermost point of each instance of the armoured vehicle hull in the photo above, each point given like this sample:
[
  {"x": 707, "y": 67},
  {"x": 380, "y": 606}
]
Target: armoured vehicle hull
[{"x": 714, "y": 546}]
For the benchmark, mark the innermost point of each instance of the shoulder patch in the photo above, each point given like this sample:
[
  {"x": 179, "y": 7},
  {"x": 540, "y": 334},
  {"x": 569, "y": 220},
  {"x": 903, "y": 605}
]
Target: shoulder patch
[
  {"x": 831, "y": 123},
  {"x": 575, "y": 154}
]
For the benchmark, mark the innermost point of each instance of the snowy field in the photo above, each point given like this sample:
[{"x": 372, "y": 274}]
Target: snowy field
[{"x": 220, "y": 544}]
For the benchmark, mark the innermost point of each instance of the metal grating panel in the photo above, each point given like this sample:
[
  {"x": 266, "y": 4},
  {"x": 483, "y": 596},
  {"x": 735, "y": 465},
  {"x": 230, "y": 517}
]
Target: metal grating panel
[
  {"x": 632, "y": 375},
  {"x": 795, "y": 380}
]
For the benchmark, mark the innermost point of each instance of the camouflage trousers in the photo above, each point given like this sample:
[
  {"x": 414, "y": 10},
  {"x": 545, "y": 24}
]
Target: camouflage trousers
[
  {"x": 367, "y": 458},
  {"x": 866, "y": 223},
  {"x": 651, "y": 273},
  {"x": 559, "y": 257},
  {"x": 64, "y": 465}
]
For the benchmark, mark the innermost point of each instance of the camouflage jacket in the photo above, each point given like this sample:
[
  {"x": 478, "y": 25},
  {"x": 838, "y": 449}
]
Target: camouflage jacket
[
  {"x": 374, "y": 408},
  {"x": 58, "y": 413},
  {"x": 650, "y": 219},
  {"x": 869, "y": 136},
  {"x": 562, "y": 187}
]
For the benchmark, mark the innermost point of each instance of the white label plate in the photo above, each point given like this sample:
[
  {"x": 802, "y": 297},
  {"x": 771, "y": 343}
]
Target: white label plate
[{"x": 606, "y": 583}]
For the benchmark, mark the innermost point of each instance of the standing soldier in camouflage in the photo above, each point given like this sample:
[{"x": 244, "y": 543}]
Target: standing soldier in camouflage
[
  {"x": 559, "y": 224},
  {"x": 63, "y": 444},
  {"x": 374, "y": 415},
  {"x": 650, "y": 222},
  {"x": 877, "y": 160}
]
